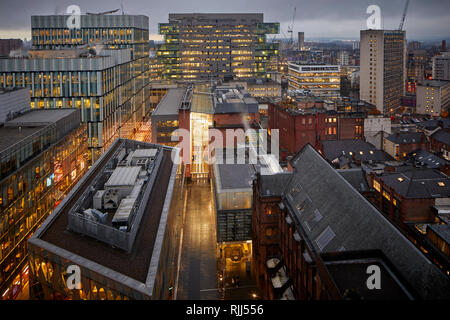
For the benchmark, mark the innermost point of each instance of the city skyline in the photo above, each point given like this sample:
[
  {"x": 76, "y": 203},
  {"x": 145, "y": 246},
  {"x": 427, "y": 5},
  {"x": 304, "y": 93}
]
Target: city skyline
[{"x": 319, "y": 20}]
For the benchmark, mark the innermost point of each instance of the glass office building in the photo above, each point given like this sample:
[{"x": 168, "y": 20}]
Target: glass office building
[
  {"x": 214, "y": 46},
  {"x": 101, "y": 68},
  {"x": 321, "y": 80},
  {"x": 43, "y": 153}
]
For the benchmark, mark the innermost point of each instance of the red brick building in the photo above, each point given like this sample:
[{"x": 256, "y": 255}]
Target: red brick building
[
  {"x": 300, "y": 127},
  {"x": 439, "y": 143},
  {"x": 314, "y": 236},
  {"x": 400, "y": 144},
  {"x": 408, "y": 196}
]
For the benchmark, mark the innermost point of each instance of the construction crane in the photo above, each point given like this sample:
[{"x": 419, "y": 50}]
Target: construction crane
[
  {"x": 291, "y": 27},
  {"x": 100, "y": 13},
  {"x": 400, "y": 28}
]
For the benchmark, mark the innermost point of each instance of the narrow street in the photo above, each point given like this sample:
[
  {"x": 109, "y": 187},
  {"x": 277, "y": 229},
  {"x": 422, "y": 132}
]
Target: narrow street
[{"x": 198, "y": 266}]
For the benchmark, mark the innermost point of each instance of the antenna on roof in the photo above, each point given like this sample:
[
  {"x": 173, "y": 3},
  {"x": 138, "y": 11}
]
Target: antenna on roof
[{"x": 121, "y": 6}]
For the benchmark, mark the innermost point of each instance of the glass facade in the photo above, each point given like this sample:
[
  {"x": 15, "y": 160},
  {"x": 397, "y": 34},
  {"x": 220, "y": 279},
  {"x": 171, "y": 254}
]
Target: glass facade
[
  {"x": 36, "y": 174},
  {"x": 48, "y": 265},
  {"x": 322, "y": 81},
  {"x": 209, "y": 46},
  {"x": 112, "y": 96}
]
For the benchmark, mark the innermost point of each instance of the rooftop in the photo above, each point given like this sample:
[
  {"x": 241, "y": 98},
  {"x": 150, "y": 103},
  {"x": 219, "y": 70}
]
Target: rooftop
[
  {"x": 422, "y": 183},
  {"x": 353, "y": 149},
  {"x": 357, "y": 178},
  {"x": 441, "y": 136},
  {"x": 349, "y": 272},
  {"x": 35, "y": 120},
  {"x": 442, "y": 230},
  {"x": 234, "y": 100},
  {"x": 334, "y": 217},
  {"x": 40, "y": 117},
  {"x": 10, "y": 135},
  {"x": 406, "y": 137},
  {"x": 434, "y": 83},
  {"x": 236, "y": 176},
  {"x": 170, "y": 103},
  {"x": 54, "y": 236},
  {"x": 426, "y": 159}
]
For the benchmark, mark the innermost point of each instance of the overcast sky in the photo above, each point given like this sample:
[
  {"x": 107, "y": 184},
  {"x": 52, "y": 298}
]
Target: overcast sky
[{"x": 426, "y": 19}]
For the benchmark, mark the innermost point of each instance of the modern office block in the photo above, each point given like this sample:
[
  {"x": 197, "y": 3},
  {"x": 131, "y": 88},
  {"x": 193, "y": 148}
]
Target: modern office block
[
  {"x": 213, "y": 46},
  {"x": 320, "y": 80},
  {"x": 101, "y": 68},
  {"x": 42, "y": 155}
]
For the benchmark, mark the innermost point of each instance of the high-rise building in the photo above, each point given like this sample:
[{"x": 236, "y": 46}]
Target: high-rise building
[
  {"x": 43, "y": 153},
  {"x": 216, "y": 46},
  {"x": 441, "y": 66},
  {"x": 383, "y": 68},
  {"x": 320, "y": 80},
  {"x": 101, "y": 68},
  {"x": 343, "y": 58},
  {"x": 301, "y": 41}
]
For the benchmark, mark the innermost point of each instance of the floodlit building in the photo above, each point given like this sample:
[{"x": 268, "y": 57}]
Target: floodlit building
[
  {"x": 43, "y": 153},
  {"x": 117, "y": 225},
  {"x": 216, "y": 46},
  {"x": 320, "y": 80},
  {"x": 383, "y": 68}
]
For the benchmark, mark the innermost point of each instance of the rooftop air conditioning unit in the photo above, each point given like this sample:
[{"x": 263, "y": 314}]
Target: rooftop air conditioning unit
[
  {"x": 111, "y": 199},
  {"x": 122, "y": 163}
]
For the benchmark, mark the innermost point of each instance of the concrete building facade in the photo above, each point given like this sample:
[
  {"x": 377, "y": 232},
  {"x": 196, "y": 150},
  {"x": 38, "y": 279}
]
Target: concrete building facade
[
  {"x": 43, "y": 153},
  {"x": 383, "y": 68},
  {"x": 441, "y": 66},
  {"x": 433, "y": 97}
]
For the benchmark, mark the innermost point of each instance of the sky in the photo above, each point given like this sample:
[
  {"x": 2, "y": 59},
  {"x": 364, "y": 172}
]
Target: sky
[{"x": 337, "y": 19}]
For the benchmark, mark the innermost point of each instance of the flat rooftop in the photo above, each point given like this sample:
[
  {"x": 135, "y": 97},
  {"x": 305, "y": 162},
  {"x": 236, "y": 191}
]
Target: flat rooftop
[
  {"x": 170, "y": 103},
  {"x": 350, "y": 274},
  {"x": 40, "y": 117},
  {"x": 236, "y": 176},
  {"x": 434, "y": 83},
  {"x": 134, "y": 264},
  {"x": 11, "y": 135}
]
